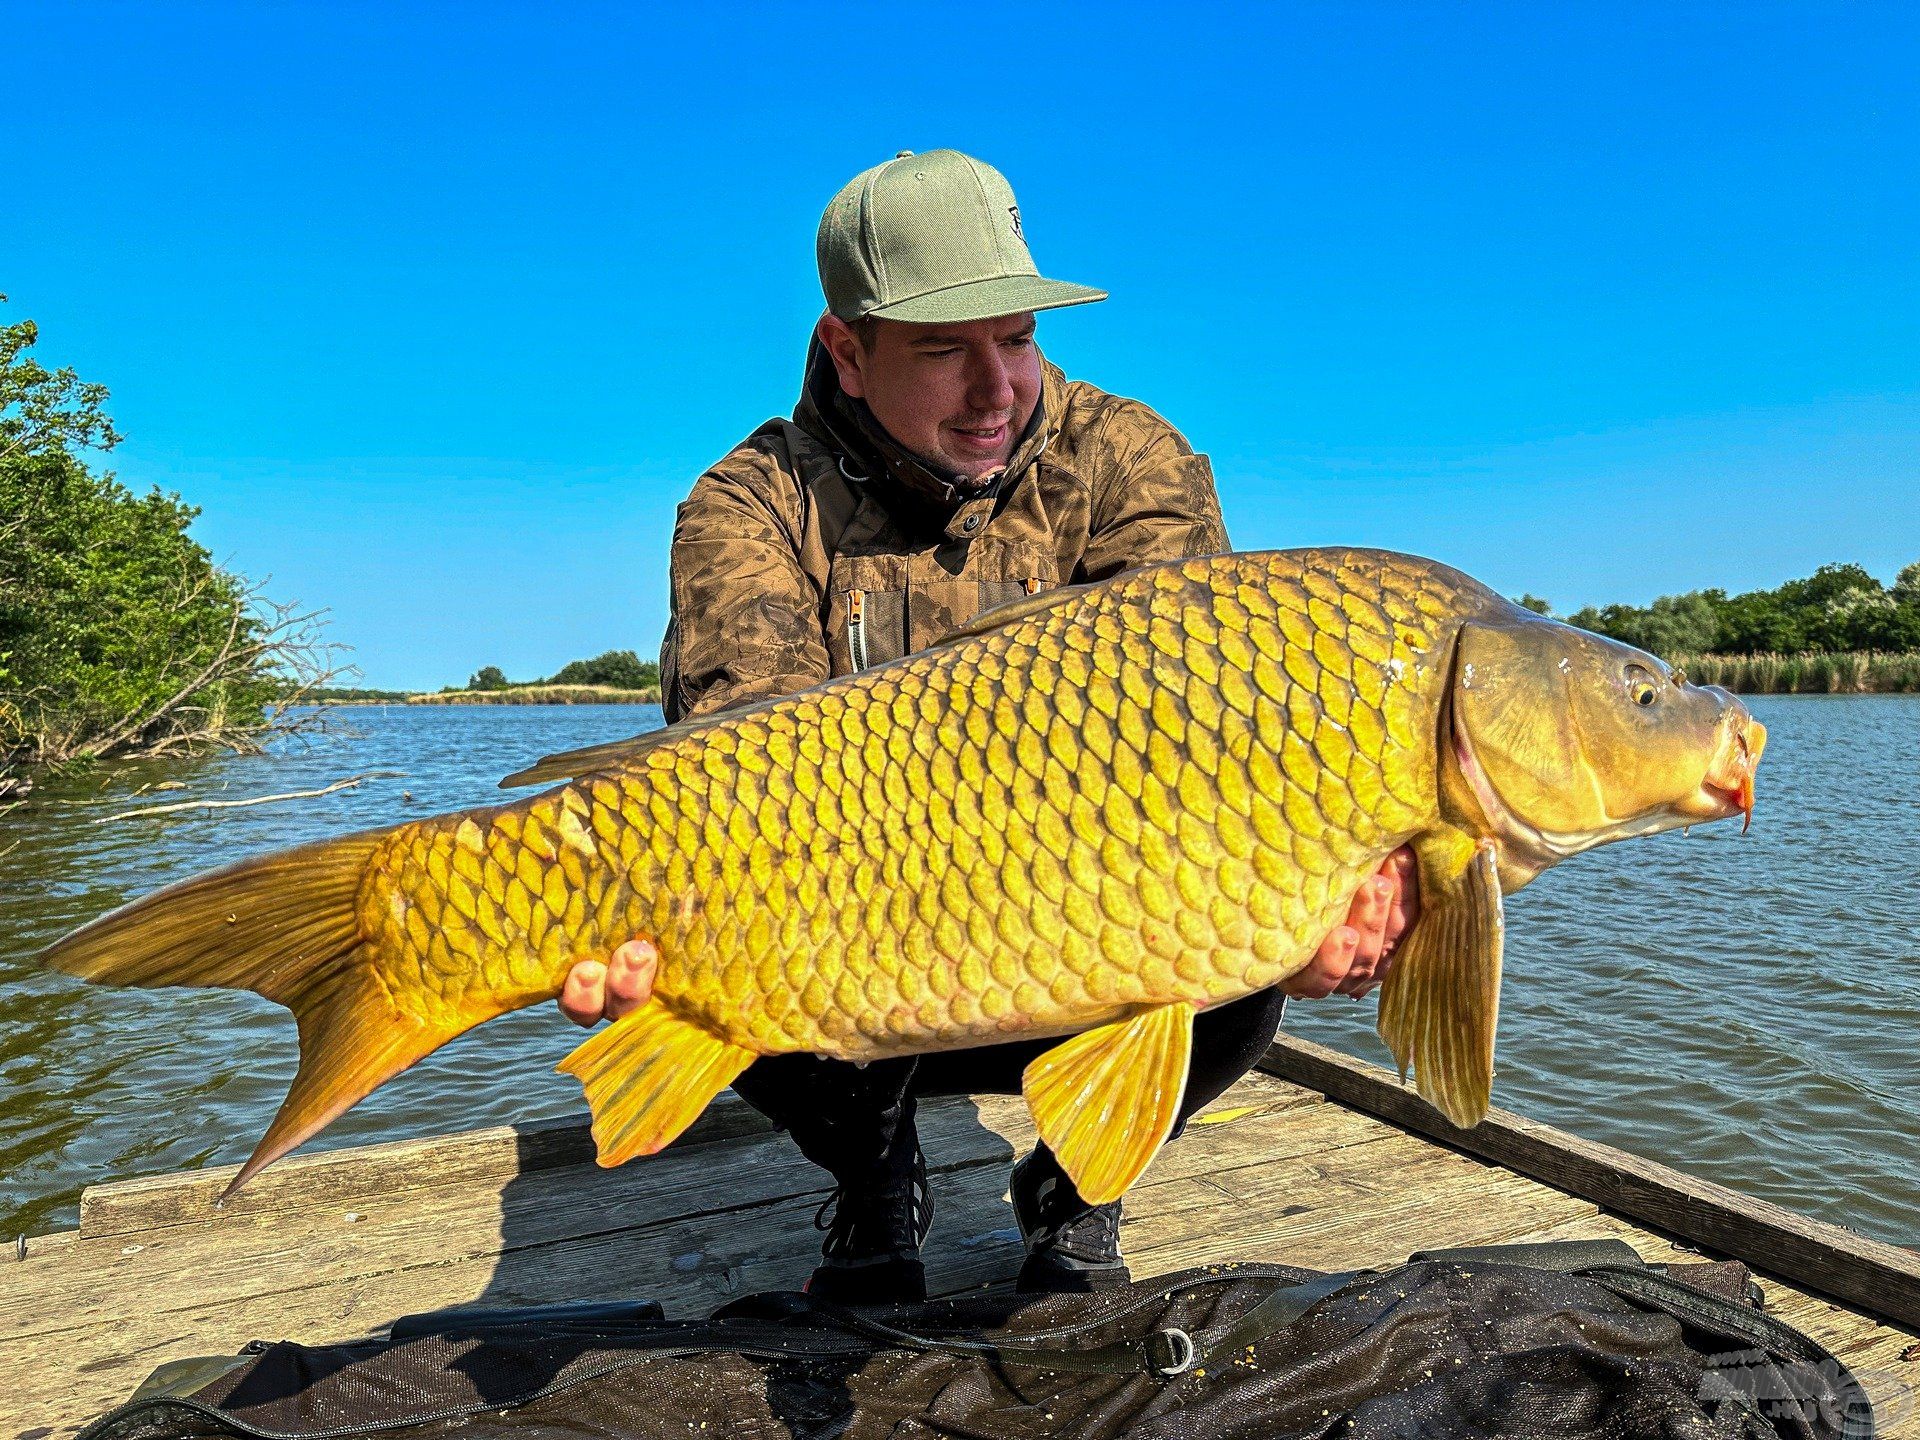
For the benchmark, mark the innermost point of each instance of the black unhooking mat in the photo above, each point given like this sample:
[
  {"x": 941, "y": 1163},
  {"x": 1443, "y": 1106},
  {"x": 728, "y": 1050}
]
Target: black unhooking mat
[{"x": 1575, "y": 1341}]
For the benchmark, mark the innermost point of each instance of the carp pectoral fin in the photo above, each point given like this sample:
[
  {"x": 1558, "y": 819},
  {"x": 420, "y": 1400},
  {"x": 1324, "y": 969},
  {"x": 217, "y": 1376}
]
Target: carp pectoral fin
[
  {"x": 648, "y": 1076},
  {"x": 1105, "y": 1100},
  {"x": 1442, "y": 996}
]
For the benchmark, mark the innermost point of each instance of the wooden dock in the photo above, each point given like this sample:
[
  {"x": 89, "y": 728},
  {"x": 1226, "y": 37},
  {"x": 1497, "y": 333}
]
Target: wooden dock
[{"x": 1316, "y": 1160}]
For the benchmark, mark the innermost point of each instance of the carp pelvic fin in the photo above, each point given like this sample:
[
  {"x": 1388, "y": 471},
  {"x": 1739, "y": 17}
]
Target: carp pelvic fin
[
  {"x": 1106, "y": 1100},
  {"x": 648, "y": 1076},
  {"x": 1442, "y": 997}
]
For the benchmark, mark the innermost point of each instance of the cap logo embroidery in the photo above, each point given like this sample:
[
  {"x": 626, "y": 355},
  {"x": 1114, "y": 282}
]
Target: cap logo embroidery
[{"x": 1014, "y": 211}]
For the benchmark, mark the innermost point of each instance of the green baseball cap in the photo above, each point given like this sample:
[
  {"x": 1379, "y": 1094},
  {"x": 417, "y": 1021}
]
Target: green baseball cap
[{"x": 930, "y": 238}]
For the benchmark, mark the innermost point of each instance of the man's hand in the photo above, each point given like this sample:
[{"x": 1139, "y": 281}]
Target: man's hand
[
  {"x": 596, "y": 992},
  {"x": 1356, "y": 956}
]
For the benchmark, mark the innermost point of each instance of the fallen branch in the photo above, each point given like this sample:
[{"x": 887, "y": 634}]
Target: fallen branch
[{"x": 349, "y": 783}]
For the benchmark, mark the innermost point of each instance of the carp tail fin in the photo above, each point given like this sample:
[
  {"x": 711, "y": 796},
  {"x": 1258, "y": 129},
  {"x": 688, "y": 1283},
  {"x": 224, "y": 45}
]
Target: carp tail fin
[
  {"x": 260, "y": 925},
  {"x": 1442, "y": 996},
  {"x": 1106, "y": 1100},
  {"x": 648, "y": 1076},
  {"x": 285, "y": 926},
  {"x": 353, "y": 1039}
]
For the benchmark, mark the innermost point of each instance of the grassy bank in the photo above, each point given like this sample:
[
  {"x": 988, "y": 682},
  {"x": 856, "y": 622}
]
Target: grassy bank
[
  {"x": 542, "y": 695},
  {"x": 1843, "y": 672}
]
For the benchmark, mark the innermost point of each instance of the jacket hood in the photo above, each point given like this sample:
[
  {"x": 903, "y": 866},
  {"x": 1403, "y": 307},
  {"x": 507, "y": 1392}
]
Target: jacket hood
[{"x": 845, "y": 425}]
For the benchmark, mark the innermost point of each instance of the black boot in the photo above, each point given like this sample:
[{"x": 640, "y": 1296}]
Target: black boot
[
  {"x": 857, "y": 1123},
  {"x": 876, "y": 1220},
  {"x": 1072, "y": 1246}
]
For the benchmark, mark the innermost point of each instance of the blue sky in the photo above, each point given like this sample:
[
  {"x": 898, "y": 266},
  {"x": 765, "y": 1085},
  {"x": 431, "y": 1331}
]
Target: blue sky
[{"x": 437, "y": 311}]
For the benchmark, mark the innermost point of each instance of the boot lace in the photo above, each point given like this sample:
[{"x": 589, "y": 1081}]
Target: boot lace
[{"x": 875, "y": 1218}]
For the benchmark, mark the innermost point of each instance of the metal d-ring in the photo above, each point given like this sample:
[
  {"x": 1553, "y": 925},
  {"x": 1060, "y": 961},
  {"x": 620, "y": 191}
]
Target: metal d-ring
[{"x": 1169, "y": 1352}]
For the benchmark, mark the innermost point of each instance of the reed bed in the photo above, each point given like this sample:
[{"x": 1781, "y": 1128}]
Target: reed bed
[
  {"x": 542, "y": 695},
  {"x": 1846, "y": 672}
]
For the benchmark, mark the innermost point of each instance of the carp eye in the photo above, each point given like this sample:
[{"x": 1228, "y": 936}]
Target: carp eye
[{"x": 1641, "y": 686}]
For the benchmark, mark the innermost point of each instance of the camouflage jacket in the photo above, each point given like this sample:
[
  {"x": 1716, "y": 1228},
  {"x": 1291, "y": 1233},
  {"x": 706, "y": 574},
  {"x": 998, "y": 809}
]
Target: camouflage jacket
[{"x": 818, "y": 547}]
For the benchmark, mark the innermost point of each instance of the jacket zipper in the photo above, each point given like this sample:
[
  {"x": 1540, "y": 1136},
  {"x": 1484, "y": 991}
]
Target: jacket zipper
[{"x": 857, "y": 628}]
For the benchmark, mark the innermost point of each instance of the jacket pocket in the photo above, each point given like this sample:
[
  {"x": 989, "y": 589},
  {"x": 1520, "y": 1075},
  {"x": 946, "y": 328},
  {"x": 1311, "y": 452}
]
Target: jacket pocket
[{"x": 875, "y": 623}]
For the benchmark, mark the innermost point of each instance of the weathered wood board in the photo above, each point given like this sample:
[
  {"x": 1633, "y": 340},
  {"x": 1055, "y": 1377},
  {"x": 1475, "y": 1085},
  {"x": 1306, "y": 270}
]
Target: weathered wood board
[{"x": 338, "y": 1245}]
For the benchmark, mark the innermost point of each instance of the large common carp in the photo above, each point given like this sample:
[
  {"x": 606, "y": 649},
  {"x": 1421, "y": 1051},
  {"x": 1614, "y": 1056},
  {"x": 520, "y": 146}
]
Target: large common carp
[{"x": 1090, "y": 814}]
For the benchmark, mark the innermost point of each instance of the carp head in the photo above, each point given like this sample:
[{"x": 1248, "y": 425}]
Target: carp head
[{"x": 1557, "y": 740}]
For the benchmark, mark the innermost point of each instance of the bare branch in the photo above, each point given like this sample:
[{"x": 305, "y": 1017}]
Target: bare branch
[{"x": 350, "y": 783}]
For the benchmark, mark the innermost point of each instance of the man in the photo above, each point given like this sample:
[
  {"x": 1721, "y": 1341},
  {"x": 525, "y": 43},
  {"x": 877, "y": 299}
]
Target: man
[{"x": 936, "y": 466}]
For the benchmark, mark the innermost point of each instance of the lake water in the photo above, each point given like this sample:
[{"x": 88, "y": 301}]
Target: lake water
[{"x": 1743, "y": 1007}]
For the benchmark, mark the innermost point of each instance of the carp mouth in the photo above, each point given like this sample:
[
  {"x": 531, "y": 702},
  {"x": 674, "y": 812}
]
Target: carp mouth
[{"x": 1727, "y": 789}]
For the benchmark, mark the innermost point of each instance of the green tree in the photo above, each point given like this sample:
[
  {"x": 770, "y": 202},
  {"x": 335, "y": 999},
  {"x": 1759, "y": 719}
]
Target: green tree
[
  {"x": 620, "y": 668},
  {"x": 488, "y": 677},
  {"x": 119, "y": 633},
  {"x": 1906, "y": 585},
  {"x": 1535, "y": 604}
]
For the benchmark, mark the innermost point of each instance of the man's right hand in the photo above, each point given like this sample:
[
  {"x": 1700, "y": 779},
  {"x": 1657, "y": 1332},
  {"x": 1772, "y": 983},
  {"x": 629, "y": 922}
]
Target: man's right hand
[{"x": 595, "y": 991}]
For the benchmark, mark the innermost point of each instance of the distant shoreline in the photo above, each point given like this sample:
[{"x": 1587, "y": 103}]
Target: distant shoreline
[
  {"x": 541, "y": 695},
  {"x": 512, "y": 695},
  {"x": 1834, "y": 672}
]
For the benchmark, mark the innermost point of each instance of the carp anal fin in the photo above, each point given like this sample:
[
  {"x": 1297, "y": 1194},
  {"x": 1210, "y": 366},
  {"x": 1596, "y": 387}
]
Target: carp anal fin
[
  {"x": 285, "y": 926},
  {"x": 1106, "y": 1100},
  {"x": 648, "y": 1076},
  {"x": 1442, "y": 997}
]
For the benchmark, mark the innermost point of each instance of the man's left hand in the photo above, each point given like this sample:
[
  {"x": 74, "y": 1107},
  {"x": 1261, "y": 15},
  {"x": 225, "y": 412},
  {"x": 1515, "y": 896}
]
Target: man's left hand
[{"x": 1355, "y": 956}]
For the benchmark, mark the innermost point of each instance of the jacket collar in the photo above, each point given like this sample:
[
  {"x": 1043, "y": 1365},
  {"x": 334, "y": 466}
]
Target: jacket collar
[{"x": 867, "y": 452}]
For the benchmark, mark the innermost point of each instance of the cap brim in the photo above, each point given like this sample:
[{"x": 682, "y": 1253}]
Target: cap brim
[{"x": 989, "y": 300}]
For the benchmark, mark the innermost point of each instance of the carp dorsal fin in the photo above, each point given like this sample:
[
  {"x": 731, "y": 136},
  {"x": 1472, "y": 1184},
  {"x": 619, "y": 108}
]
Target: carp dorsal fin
[
  {"x": 1106, "y": 1100},
  {"x": 1000, "y": 616},
  {"x": 571, "y": 764},
  {"x": 1442, "y": 997}
]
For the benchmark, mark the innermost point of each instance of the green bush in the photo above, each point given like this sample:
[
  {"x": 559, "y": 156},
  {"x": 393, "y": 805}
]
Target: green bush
[
  {"x": 620, "y": 668},
  {"x": 118, "y": 633}
]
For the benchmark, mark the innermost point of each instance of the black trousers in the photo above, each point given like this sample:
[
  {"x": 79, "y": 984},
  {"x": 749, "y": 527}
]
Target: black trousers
[{"x": 851, "y": 1120}]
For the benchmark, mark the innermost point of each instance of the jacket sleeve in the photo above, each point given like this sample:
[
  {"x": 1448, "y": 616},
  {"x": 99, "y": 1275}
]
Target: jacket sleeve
[
  {"x": 1153, "y": 501},
  {"x": 744, "y": 622}
]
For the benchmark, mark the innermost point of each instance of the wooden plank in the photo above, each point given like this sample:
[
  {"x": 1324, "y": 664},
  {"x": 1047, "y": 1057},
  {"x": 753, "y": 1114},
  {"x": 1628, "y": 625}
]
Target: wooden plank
[
  {"x": 334, "y": 1177},
  {"x": 245, "y": 1258},
  {"x": 1879, "y": 1278},
  {"x": 689, "y": 1262},
  {"x": 37, "y": 1247}
]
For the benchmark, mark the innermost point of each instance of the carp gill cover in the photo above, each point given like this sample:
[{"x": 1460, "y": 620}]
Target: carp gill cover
[{"x": 1089, "y": 814}]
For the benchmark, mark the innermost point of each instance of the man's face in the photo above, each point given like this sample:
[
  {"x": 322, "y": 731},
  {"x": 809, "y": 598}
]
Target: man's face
[{"x": 957, "y": 395}]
